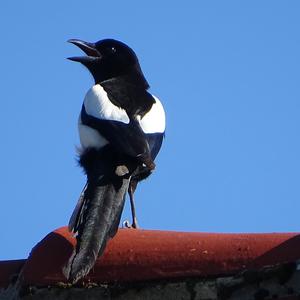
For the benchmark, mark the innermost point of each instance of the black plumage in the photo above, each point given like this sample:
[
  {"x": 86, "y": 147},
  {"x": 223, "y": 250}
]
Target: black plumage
[{"x": 121, "y": 128}]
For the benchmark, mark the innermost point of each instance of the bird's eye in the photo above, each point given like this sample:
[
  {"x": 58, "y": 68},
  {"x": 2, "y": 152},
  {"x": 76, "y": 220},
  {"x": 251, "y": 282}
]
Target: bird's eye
[{"x": 113, "y": 50}]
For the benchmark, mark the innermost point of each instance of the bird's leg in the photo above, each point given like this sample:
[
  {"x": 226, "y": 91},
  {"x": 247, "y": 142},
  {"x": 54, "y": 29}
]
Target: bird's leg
[{"x": 131, "y": 190}]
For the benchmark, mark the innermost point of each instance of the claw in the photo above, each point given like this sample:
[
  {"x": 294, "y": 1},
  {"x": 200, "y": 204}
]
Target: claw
[
  {"x": 134, "y": 225},
  {"x": 126, "y": 224}
]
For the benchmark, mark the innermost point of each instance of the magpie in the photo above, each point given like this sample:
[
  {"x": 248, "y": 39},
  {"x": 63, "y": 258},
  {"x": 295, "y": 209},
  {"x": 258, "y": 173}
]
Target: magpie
[{"x": 121, "y": 128}]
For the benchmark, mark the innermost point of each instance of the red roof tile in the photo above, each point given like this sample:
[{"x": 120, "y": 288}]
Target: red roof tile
[{"x": 139, "y": 255}]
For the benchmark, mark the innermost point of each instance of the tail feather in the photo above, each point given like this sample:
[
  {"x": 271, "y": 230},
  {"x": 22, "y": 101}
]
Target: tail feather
[
  {"x": 95, "y": 219},
  {"x": 77, "y": 214}
]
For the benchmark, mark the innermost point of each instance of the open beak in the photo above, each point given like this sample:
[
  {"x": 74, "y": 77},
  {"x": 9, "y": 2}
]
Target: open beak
[{"x": 88, "y": 48}]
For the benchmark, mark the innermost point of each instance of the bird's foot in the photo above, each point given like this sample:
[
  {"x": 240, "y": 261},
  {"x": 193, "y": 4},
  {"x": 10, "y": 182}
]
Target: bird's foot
[{"x": 134, "y": 225}]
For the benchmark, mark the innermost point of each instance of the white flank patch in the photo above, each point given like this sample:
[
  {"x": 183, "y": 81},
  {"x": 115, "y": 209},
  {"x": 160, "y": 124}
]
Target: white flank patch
[
  {"x": 98, "y": 105},
  {"x": 154, "y": 121},
  {"x": 89, "y": 137}
]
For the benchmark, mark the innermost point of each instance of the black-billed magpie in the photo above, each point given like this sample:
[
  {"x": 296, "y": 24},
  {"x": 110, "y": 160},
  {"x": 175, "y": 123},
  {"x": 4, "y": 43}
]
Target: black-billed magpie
[{"x": 121, "y": 129}]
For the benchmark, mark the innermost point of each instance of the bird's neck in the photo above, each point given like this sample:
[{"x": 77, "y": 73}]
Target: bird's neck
[
  {"x": 133, "y": 76},
  {"x": 136, "y": 79}
]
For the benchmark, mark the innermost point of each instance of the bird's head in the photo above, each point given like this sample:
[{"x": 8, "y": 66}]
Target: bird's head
[{"x": 107, "y": 59}]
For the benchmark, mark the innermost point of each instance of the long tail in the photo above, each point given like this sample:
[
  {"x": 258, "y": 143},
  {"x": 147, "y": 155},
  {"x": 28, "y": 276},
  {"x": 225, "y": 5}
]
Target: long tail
[{"x": 97, "y": 215}]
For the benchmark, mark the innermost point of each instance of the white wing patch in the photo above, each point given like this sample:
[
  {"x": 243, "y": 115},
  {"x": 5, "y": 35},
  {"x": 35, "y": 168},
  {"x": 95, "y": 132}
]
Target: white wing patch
[
  {"x": 98, "y": 105},
  {"x": 154, "y": 121},
  {"x": 89, "y": 137}
]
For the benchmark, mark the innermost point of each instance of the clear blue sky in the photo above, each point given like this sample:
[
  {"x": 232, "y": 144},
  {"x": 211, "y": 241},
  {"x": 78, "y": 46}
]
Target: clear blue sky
[{"x": 228, "y": 73}]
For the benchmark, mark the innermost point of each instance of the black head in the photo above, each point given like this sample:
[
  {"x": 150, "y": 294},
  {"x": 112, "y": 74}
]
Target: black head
[{"x": 108, "y": 59}]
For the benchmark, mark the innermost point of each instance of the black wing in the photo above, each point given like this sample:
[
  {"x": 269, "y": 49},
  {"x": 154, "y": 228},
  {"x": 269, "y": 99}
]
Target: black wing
[{"x": 155, "y": 141}]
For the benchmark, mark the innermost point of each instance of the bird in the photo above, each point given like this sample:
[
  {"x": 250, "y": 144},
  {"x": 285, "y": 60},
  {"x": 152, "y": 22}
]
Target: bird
[{"x": 121, "y": 129}]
